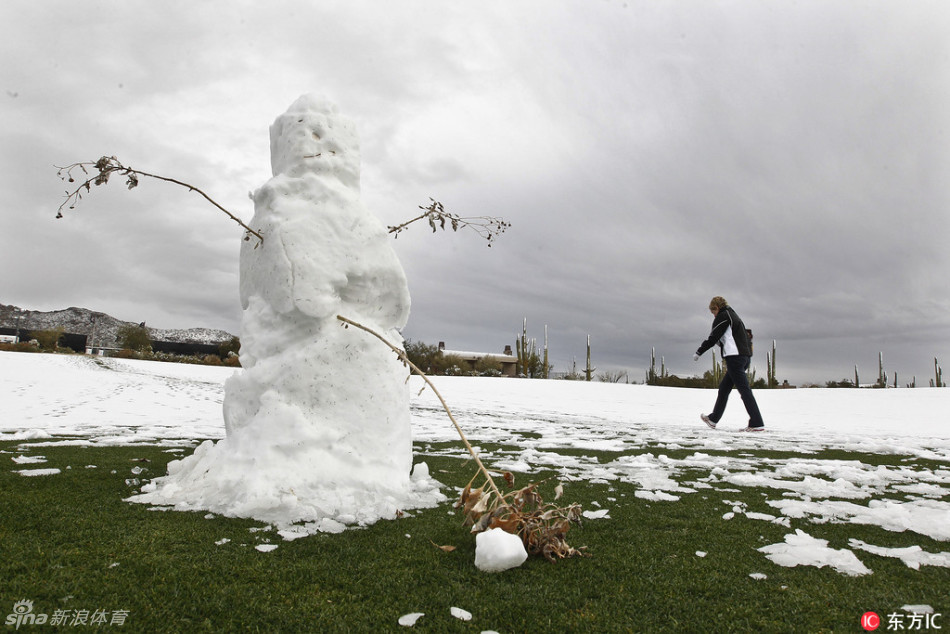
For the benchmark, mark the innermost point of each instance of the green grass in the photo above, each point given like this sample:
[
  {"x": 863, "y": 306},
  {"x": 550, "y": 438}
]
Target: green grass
[{"x": 62, "y": 536}]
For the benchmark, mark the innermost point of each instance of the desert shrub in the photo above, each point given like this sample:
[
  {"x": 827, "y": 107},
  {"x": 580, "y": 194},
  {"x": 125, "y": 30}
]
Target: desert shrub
[
  {"x": 229, "y": 347},
  {"x": 696, "y": 382},
  {"x": 211, "y": 359},
  {"x": 425, "y": 357},
  {"x": 841, "y": 383},
  {"x": 613, "y": 376},
  {"x": 488, "y": 366},
  {"x": 48, "y": 339},
  {"x": 169, "y": 357},
  {"x": 450, "y": 365},
  {"x": 134, "y": 338},
  {"x": 573, "y": 375},
  {"x": 22, "y": 346}
]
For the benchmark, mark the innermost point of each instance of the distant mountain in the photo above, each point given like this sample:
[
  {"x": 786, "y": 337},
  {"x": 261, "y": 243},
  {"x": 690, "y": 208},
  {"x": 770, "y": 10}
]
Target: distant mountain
[{"x": 102, "y": 329}]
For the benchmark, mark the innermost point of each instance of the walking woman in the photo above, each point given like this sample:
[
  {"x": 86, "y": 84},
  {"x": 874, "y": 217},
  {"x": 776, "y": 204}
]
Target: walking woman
[{"x": 730, "y": 333}]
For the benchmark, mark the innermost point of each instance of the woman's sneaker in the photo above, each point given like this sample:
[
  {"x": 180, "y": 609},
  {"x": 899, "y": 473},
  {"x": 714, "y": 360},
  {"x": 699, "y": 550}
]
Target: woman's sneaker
[
  {"x": 708, "y": 421},
  {"x": 759, "y": 428}
]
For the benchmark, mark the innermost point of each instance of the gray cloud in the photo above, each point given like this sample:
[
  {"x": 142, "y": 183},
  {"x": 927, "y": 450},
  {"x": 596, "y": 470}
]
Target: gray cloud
[{"x": 789, "y": 156}]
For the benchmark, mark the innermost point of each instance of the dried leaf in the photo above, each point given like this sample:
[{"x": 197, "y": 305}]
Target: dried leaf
[
  {"x": 445, "y": 549},
  {"x": 509, "y": 524},
  {"x": 464, "y": 497},
  {"x": 482, "y": 523},
  {"x": 475, "y": 504},
  {"x": 481, "y": 506}
]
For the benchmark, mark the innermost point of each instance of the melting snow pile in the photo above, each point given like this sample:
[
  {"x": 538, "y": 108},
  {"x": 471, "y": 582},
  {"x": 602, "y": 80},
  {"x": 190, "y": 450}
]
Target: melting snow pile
[{"x": 317, "y": 422}]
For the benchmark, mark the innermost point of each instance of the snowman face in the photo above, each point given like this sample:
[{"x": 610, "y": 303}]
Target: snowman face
[{"x": 312, "y": 138}]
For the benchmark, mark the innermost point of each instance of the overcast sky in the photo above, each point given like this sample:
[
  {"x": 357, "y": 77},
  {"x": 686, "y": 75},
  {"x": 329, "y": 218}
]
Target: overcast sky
[{"x": 793, "y": 157}]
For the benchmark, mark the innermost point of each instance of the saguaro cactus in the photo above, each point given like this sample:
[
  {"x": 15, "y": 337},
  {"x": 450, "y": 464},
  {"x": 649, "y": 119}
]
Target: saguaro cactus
[
  {"x": 589, "y": 372},
  {"x": 525, "y": 360},
  {"x": 529, "y": 359},
  {"x": 773, "y": 381},
  {"x": 521, "y": 349},
  {"x": 546, "y": 367},
  {"x": 716, "y": 371}
]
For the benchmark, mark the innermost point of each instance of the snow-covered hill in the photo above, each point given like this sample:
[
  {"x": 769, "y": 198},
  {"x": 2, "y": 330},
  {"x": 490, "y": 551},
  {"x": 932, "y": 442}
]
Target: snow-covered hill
[{"x": 102, "y": 329}]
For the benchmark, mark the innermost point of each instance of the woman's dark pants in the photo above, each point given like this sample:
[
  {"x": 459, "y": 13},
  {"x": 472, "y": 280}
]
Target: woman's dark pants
[{"x": 735, "y": 377}]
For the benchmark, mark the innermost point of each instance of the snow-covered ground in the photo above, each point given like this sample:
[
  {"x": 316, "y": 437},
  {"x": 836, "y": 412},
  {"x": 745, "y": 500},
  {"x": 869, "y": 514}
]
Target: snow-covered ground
[{"x": 50, "y": 400}]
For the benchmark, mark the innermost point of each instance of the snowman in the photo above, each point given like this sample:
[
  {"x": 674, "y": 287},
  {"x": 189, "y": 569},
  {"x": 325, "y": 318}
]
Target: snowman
[{"x": 317, "y": 420}]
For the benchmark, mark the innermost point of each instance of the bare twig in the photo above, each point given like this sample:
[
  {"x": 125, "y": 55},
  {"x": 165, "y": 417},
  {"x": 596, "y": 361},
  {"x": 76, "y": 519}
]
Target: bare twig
[
  {"x": 107, "y": 165},
  {"x": 485, "y": 226},
  {"x": 542, "y": 527}
]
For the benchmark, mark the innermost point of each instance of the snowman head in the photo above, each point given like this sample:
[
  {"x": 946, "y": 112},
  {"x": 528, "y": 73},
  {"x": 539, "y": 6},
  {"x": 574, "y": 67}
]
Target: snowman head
[{"x": 312, "y": 137}]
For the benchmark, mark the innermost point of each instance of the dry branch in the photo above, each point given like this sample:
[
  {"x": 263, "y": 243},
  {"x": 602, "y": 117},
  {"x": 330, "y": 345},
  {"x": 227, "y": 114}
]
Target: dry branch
[
  {"x": 405, "y": 359},
  {"x": 108, "y": 165},
  {"x": 542, "y": 527},
  {"x": 485, "y": 226}
]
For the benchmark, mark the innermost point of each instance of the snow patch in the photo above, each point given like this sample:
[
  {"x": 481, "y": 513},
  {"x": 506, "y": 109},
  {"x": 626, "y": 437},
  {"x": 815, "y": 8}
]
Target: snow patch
[
  {"x": 497, "y": 550},
  {"x": 38, "y": 472},
  {"x": 801, "y": 549}
]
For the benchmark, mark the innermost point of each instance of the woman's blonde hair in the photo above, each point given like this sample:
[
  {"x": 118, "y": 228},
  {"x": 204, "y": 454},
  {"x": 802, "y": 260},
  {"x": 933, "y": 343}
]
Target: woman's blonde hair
[{"x": 718, "y": 303}]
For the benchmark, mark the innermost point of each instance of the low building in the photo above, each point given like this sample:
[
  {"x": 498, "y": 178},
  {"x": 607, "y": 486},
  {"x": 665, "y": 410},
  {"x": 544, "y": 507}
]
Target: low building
[
  {"x": 509, "y": 362},
  {"x": 185, "y": 348},
  {"x": 75, "y": 341}
]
